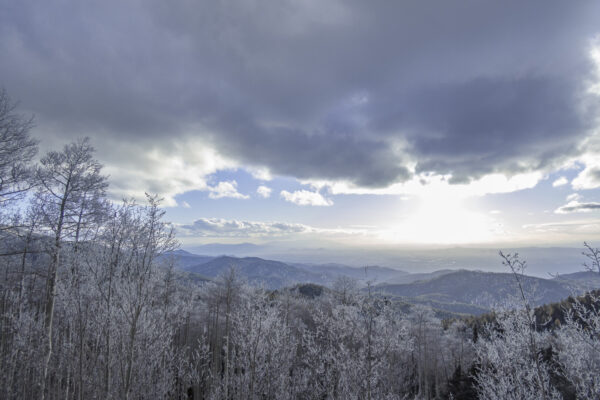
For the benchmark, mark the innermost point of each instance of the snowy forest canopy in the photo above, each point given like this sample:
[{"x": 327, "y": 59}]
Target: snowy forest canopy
[{"x": 92, "y": 308}]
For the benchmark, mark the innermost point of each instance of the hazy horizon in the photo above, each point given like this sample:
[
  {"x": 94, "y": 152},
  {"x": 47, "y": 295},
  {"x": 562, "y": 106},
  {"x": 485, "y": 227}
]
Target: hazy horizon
[{"x": 543, "y": 262}]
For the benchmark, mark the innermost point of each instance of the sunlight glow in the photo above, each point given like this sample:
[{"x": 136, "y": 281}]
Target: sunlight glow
[{"x": 442, "y": 217}]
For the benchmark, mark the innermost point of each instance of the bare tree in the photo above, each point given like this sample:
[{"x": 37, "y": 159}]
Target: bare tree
[
  {"x": 593, "y": 255},
  {"x": 70, "y": 189},
  {"x": 346, "y": 289},
  {"x": 17, "y": 149},
  {"x": 140, "y": 320}
]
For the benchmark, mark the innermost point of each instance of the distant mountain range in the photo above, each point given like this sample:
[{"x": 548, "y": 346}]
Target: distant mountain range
[
  {"x": 585, "y": 279},
  {"x": 267, "y": 273},
  {"x": 219, "y": 249},
  {"x": 185, "y": 260},
  {"x": 477, "y": 292},
  {"x": 275, "y": 274},
  {"x": 540, "y": 260},
  {"x": 373, "y": 273},
  {"x": 455, "y": 291}
]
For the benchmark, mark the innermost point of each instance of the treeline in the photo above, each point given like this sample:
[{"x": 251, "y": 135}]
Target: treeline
[{"x": 91, "y": 307}]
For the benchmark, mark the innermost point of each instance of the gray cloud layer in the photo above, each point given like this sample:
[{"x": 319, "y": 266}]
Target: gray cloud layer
[
  {"x": 576, "y": 206},
  {"x": 216, "y": 227},
  {"x": 355, "y": 91}
]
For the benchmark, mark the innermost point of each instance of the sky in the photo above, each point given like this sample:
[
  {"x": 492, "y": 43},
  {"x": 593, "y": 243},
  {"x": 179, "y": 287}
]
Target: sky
[{"x": 405, "y": 123}]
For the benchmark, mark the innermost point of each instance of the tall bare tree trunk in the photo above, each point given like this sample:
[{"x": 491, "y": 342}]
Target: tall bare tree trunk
[
  {"x": 51, "y": 293},
  {"x": 130, "y": 351}
]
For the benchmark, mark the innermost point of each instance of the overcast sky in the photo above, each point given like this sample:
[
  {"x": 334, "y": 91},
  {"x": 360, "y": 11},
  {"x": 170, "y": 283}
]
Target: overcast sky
[{"x": 398, "y": 122}]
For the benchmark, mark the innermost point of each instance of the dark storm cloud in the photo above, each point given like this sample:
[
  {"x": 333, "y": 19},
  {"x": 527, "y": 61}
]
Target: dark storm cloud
[
  {"x": 289, "y": 151},
  {"x": 325, "y": 90},
  {"x": 506, "y": 124}
]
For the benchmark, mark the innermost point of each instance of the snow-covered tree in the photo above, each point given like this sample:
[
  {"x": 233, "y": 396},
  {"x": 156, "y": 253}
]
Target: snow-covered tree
[
  {"x": 578, "y": 347},
  {"x": 511, "y": 366}
]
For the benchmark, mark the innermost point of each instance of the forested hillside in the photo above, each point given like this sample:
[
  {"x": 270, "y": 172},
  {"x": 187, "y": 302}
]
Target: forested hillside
[{"x": 91, "y": 307}]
